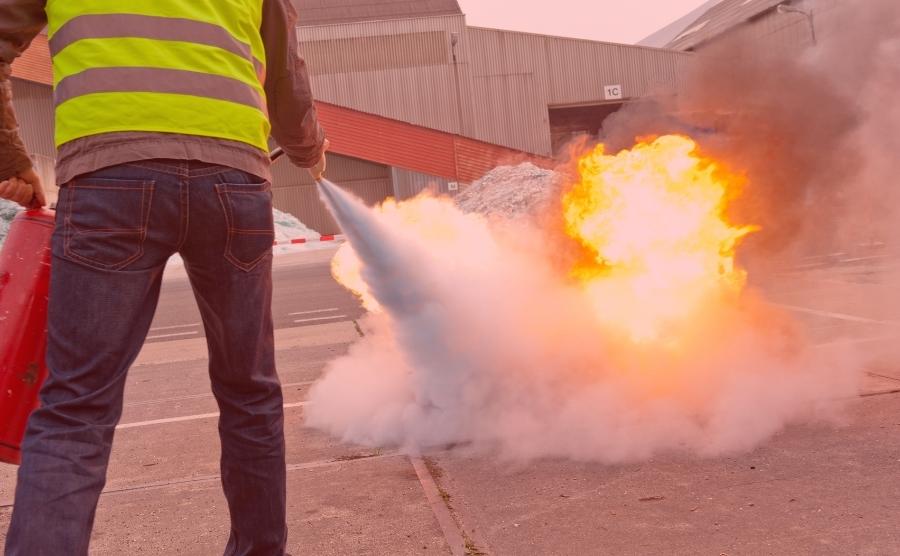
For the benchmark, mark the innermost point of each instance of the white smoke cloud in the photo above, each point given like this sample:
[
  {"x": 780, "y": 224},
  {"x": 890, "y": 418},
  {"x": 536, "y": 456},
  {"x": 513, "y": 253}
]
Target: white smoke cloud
[{"x": 483, "y": 343}]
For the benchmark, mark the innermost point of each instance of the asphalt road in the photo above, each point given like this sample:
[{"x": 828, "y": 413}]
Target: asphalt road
[{"x": 304, "y": 294}]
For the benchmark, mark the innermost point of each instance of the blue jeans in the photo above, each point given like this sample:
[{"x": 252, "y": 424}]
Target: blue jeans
[{"x": 115, "y": 230}]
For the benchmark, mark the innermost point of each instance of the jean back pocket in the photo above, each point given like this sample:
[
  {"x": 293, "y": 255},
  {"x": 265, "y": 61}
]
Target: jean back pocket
[
  {"x": 251, "y": 227},
  {"x": 105, "y": 221}
]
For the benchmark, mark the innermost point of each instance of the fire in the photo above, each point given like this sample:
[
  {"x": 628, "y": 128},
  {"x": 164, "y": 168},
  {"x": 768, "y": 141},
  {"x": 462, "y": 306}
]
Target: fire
[
  {"x": 659, "y": 247},
  {"x": 658, "y": 251}
]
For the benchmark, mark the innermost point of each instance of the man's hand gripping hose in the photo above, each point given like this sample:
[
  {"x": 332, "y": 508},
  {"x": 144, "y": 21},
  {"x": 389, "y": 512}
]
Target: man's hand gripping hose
[{"x": 316, "y": 171}]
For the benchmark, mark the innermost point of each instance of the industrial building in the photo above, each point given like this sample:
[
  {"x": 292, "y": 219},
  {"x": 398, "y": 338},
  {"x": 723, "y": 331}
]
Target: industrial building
[
  {"x": 769, "y": 25},
  {"x": 414, "y": 98}
]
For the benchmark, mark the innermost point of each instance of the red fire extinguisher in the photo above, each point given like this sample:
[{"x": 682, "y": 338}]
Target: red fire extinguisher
[{"x": 24, "y": 288}]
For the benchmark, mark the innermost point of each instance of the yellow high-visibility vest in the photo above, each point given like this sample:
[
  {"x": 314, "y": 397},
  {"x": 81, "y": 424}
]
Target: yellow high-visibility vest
[{"x": 169, "y": 66}]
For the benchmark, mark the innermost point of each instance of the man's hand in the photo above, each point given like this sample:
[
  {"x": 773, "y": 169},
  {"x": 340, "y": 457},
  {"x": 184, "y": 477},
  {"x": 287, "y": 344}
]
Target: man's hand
[
  {"x": 25, "y": 189},
  {"x": 31, "y": 177},
  {"x": 16, "y": 190},
  {"x": 319, "y": 169}
]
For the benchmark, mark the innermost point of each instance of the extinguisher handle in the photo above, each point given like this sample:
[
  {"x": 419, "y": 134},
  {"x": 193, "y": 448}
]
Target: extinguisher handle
[{"x": 36, "y": 209}]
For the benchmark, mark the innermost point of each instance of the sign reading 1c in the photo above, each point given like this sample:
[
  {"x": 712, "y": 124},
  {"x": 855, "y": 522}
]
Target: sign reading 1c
[{"x": 612, "y": 92}]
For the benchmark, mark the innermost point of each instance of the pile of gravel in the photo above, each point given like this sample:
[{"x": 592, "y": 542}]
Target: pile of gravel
[
  {"x": 288, "y": 227},
  {"x": 509, "y": 191},
  {"x": 8, "y": 211}
]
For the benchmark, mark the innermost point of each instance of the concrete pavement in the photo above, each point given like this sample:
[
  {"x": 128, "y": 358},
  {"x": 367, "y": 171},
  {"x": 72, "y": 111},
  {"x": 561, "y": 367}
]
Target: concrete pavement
[
  {"x": 163, "y": 494},
  {"x": 811, "y": 490},
  {"x": 305, "y": 295}
]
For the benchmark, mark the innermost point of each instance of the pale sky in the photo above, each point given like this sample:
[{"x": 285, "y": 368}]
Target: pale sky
[{"x": 623, "y": 21}]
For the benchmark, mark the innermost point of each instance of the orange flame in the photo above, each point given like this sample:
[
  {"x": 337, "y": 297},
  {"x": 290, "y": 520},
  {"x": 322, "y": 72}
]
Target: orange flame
[
  {"x": 658, "y": 250},
  {"x": 651, "y": 219}
]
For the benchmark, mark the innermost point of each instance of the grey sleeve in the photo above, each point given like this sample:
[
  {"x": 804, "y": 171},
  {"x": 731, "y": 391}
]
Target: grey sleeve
[
  {"x": 295, "y": 124},
  {"x": 20, "y": 22}
]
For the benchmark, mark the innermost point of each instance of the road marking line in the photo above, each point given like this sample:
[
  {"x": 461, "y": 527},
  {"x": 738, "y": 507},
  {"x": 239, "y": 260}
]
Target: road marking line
[
  {"x": 176, "y": 327},
  {"x": 178, "y": 335},
  {"x": 838, "y": 316},
  {"x": 318, "y": 319},
  {"x": 216, "y": 478},
  {"x": 197, "y": 417},
  {"x": 167, "y": 421},
  {"x": 207, "y": 395},
  {"x": 315, "y": 312}
]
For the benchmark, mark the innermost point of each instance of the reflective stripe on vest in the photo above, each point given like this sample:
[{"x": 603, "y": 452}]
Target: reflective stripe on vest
[{"x": 194, "y": 68}]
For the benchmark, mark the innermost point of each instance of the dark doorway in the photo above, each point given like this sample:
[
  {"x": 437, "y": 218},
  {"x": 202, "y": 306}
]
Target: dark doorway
[{"x": 567, "y": 123}]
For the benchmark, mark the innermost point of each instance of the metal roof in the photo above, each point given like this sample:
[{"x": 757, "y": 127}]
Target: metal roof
[
  {"x": 668, "y": 33},
  {"x": 326, "y": 12},
  {"x": 719, "y": 19}
]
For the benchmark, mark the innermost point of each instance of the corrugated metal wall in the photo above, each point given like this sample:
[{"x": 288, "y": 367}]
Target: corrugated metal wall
[
  {"x": 408, "y": 184},
  {"x": 34, "y": 64},
  {"x": 358, "y": 54},
  {"x": 371, "y": 137},
  {"x": 320, "y": 12},
  {"x": 511, "y": 87},
  {"x": 522, "y": 74},
  {"x": 516, "y": 115},
  {"x": 572, "y": 71},
  {"x": 497, "y": 90},
  {"x": 33, "y": 104},
  {"x": 388, "y": 75},
  {"x": 403, "y": 145}
]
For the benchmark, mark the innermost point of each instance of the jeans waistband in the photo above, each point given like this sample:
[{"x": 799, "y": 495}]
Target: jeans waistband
[{"x": 182, "y": 168}]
